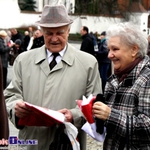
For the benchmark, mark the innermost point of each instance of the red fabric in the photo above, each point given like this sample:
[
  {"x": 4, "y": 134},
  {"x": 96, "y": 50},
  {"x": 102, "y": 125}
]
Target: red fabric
[
  {"x": 41, "y": 117},
  {"x": 87, "y": 109}
]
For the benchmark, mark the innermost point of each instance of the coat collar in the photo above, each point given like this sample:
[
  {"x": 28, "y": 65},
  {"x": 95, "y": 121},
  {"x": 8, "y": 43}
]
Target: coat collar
[
  {"x": 133, "y": 75},
  {"x": 68, "y": 57}
]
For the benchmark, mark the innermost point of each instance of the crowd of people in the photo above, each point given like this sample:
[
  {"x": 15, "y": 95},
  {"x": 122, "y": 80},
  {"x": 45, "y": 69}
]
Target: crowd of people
[
  {"x": 13, "y": 43},
  {"x": 53, "y": 74}
]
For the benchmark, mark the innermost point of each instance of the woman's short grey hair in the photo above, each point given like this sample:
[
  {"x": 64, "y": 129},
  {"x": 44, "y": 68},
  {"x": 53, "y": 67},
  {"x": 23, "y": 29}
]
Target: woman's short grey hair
[{"x": 130, "y": 35}]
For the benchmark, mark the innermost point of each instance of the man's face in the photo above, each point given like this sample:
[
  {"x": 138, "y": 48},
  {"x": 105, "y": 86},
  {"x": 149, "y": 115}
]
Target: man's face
[
  {"x": 56, "y": 38},
  {"x": 38, "y": 33},
  {"x": 102, "y": 37},
  {"x": 13, "y": 31},
  {"x": 30, "y": 29},
  {"x": 82, "y": 32}
]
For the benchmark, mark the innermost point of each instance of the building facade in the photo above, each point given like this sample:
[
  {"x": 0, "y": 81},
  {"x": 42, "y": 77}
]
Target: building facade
[{"x": 140, "y": 15}]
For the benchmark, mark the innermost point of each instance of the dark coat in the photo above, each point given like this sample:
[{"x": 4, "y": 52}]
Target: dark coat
[
  {"x": 148, "y": 50},
  {"x": 102, "y": 53},
  {"x": 26, "y": 42},
  {"x": 17, "y": 36},
  {"x": 4, "y": 130},
  {"x": 14, "y": 53},
  {"x": 4, "y": 51},
  {"x": 38, "y": 42},
  {"x": 87, "y": 44}
]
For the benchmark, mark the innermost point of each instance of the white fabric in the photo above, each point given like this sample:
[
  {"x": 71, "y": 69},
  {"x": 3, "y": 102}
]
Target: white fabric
[
  {"x": 72, "y": 133},
  {"x": 30, "y": 43},
  {"x": 90, "y": 129}
]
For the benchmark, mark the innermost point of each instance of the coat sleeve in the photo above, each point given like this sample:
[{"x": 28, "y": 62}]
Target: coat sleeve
[
  {"x": 14, "y": 93},
  {"x": 93, "y": 87},
  {"x": 3, "y": 48},
  {"x": 136, "y": 124}
]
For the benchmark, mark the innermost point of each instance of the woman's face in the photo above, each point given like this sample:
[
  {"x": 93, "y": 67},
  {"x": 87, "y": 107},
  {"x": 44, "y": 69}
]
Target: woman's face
[{"x": 120, "y": 54}]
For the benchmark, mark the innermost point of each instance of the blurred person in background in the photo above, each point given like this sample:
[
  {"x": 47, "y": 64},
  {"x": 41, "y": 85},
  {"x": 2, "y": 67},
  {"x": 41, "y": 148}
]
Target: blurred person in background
[
  {"x": 30, "y": 30},
  {"x": 87, "y": 44},
  {"x": 4, "y": 53},
  {"x": 26, "y": 40},
  {"x": 38, "y": 41},
  {"x": 148, "y": 50},
  {"x": 15, "y": 34},
  {"x": 102, "y": 58},
  {"x": 15, "y": 51}
]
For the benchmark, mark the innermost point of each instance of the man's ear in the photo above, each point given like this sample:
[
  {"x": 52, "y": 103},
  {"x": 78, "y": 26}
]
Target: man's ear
[{"x": 135, "y": 49}]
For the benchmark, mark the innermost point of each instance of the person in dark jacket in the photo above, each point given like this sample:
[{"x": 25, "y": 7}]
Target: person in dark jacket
[
  {"x": 4, "y": 129},
  {"x": 4, "y": 53},
  {"x": 26, "y": 40},
  {"x": 87, "y": 44},
  {"x": 148, "y": 49},
  {"x": 102, "y": 58},
  {"x": 15, "y": 51},
  {"x": 15, "y": 34},
  {"x": 39, "y": 40}
]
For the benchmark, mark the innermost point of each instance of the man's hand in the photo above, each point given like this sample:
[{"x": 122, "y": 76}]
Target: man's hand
[
  {"x": 21, "y": 109},
  {"x": 67, "y": 114}
]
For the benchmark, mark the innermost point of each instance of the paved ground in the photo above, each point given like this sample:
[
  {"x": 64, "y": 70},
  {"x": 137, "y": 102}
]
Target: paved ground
[{"x": 91, "y": 143}]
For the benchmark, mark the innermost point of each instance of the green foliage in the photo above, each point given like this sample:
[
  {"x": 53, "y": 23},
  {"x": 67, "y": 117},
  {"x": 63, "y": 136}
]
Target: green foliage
[
  {"x": 102, "y": 7},
  {"x": 75, "y": 37},
  {"x": 94, "y": 7},
  {"x": 27, "y": 5}
]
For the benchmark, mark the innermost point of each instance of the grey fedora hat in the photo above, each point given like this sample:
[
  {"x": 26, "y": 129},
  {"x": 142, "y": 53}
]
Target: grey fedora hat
[{"x": 54, "y": 16}]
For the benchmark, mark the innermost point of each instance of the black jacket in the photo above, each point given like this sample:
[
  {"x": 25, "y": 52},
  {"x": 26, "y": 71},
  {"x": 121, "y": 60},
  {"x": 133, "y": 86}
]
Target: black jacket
[
  {"x": 4, "y": 51},
  {"x": 87, "y": 44},
  {"x": 102, "y": 53},
  {"x": 38, "y": 42},
  {"x": 17, "y": 36}
]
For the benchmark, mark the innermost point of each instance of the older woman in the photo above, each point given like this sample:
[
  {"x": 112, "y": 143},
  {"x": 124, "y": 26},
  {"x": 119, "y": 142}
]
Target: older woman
[{"x": 126, "y": 112}]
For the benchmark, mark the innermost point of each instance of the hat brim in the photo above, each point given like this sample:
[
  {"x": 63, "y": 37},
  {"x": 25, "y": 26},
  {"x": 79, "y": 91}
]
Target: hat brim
[{"x": 52, "y": 25}]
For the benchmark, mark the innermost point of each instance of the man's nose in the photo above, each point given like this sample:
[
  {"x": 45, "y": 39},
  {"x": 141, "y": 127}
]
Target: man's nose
[{"x": 54, "y": 38}]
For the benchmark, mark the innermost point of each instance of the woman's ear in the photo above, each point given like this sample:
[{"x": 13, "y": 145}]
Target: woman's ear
[{"x": 135, "y": 50}]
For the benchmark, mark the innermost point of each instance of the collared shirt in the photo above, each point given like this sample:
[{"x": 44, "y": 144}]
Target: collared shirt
[{"x": 58, "y": 58}]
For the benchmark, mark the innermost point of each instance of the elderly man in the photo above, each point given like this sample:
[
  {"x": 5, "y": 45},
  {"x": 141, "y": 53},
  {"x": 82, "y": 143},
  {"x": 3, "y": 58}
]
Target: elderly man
[{"x": 52, "y": 76}]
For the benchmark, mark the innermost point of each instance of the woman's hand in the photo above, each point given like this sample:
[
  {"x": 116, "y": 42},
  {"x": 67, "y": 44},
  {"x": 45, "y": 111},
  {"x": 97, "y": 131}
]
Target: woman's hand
[{"x": 101, "y": 110}]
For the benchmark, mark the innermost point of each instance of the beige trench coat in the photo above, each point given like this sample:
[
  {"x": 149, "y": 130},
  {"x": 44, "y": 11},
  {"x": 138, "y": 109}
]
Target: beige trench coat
[{"x": 76, "y": 75}]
